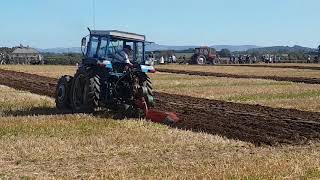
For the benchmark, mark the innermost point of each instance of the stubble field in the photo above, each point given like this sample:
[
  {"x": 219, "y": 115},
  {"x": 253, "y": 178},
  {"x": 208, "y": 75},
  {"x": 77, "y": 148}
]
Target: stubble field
[{"x": 38, "y": 142}]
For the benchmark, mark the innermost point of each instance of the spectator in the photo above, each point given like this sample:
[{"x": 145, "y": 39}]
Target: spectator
[
  {"x": 309, "y": 59},
  {"x": 248, "y": 59},
  {"x": 174, "y": 59},
  {"x": 161, "y": 60},
  {"x": 240, "y": 59},
  {"x": 254, "y": 59}
]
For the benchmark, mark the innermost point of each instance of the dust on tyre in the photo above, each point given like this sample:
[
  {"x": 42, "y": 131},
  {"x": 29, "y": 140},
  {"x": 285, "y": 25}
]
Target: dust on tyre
[{"x": 63, "y": 93}]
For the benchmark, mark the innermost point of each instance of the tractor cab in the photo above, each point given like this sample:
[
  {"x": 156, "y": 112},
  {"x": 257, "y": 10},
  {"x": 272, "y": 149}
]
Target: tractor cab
[{"x": 102, "y": 46}]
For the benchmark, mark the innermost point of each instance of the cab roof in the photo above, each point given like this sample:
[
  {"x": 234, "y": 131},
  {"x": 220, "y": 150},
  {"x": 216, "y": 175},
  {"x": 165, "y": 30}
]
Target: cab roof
[{"x": 119, "y": 35}]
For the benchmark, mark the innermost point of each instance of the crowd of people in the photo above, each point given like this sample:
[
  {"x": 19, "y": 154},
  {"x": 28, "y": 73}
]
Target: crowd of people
[
  {"x": 242, "y": 59},
  {"x": 4, "y": 58}
]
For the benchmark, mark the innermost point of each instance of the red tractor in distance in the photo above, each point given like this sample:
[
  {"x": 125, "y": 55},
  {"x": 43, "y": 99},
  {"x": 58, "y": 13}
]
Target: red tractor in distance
[{"x": 204, "y": 55}]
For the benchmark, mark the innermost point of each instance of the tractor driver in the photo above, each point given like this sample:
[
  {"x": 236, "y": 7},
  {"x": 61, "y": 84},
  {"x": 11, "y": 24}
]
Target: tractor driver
[{"x": 122, "y": 57}]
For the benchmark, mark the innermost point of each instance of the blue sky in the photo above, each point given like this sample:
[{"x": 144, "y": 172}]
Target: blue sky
[{"x": 62, "y": 23}]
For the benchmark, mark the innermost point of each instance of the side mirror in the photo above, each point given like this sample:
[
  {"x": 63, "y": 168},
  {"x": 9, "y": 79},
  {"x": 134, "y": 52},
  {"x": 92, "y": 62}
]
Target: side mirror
[{"x": 84, "y": 42}]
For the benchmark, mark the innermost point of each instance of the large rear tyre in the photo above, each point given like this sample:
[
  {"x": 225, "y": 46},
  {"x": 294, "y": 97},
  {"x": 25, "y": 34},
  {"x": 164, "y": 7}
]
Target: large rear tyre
[
  {"x": 94, "y": 90},
  {"x": 86, "y": 90},
  {"x": 201, "y": 60},
  {"x": 63, "y": 101},
  {"x": 148, "y": 94}
]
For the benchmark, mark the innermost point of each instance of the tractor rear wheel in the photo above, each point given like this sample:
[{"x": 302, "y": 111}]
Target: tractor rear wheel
[
  {"x": 201, "y": 60},
  {"x": 63, "y": 89},
  {"x": 148, "y": 95},
  {"x": 85, "y": 91},
  {"x": 94, "y": 90}
]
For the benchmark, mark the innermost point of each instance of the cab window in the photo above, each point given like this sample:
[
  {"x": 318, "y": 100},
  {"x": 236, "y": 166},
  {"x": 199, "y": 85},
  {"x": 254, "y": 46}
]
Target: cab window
[
  {"x": 93, "y": 45},
  {"x": 138, "y": 51},
  {"x": 102, "y": 52},
  {"x": 114, "y": 47}
]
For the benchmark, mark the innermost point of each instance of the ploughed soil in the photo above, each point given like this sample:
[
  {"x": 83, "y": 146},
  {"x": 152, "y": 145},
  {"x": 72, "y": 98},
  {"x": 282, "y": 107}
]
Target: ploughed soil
[
  {"x": 252, "y": 123},
  {"x": 29, "y": 82},
  {"x": 276, "y": 78}
]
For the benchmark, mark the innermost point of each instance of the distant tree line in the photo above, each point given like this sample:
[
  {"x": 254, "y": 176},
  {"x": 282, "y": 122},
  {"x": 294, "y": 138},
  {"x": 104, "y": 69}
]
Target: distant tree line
[
  {"x": 224, "y": 53},
  {"x": 6, "y": 50},
  {"x": 62, "y": 59}
]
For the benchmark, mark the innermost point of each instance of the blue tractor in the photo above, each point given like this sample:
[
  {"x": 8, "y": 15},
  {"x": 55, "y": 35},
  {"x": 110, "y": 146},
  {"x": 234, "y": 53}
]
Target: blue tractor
[{"x": 102, "y": 83}]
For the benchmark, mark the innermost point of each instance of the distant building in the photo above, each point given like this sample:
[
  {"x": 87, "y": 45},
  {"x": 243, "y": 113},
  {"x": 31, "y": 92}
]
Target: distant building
[{"x": 26, "y": 55}]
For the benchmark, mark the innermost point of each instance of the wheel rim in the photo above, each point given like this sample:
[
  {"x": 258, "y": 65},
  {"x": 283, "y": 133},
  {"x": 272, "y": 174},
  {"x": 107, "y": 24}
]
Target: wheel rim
[
  {"x": 61, "y": 93},
  {"x": 200, "y": 60}
]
